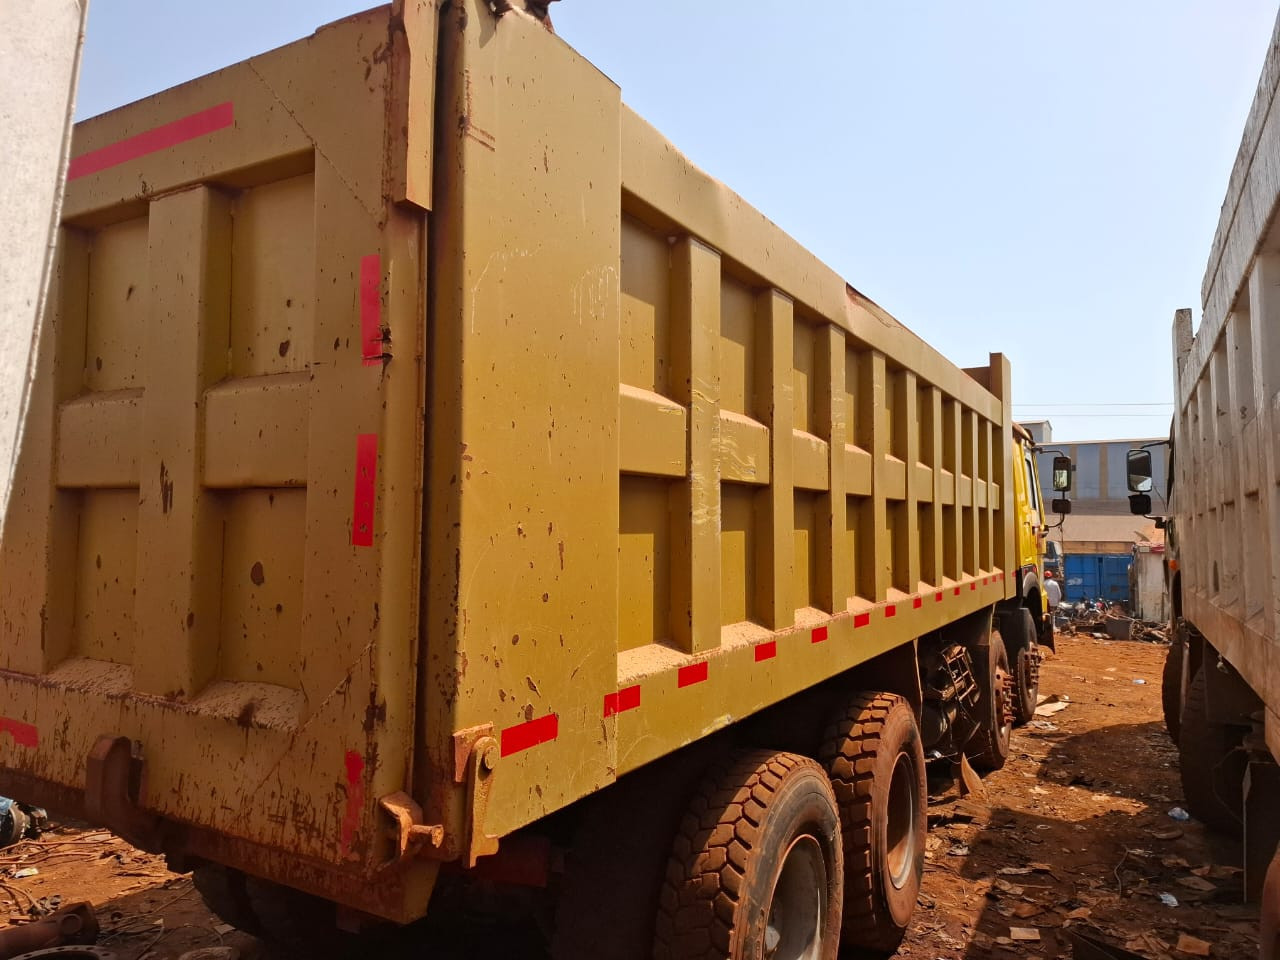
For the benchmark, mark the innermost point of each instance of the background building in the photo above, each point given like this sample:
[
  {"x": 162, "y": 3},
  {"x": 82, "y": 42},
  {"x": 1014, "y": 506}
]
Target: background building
[{"x": 1098, "y": 537}]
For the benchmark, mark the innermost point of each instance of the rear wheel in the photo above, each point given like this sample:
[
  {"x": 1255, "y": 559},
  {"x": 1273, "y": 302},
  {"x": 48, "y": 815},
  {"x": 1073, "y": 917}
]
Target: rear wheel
[
  {"x": 1171, "y": 688},
  {"x": 875, "y": 759},
  {"x": 1211, "y": 764},
  {"x": 1020, "y": 644},
  {"x": 756, "y": 869},
  {"x": 988, "y": 748}
]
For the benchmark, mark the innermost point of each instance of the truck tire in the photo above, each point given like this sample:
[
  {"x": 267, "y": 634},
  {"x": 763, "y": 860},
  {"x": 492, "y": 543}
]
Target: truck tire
[
  {"x": 756, "y": 868},
  {"x": 1211, "y": 765},
  {"x": 1269, "y": 932},
  {"x": 875, "y": 759},
  {"x": 223, "y": 891},
  {"x": 1021, "y": 646},
  {"x": 988, "y": 748},
  {"x": 1171, "y": 688}
]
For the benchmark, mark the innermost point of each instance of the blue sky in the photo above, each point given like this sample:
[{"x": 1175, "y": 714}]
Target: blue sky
[{"x": 1038, "y": 179}]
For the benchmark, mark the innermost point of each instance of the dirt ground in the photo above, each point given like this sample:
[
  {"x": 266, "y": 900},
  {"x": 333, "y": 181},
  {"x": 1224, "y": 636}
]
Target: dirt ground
[{"x": 1074, "y": 833}]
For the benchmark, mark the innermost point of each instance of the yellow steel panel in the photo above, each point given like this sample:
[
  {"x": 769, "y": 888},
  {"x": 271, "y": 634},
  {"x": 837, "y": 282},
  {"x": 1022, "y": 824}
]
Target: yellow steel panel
[
  {"x": 834, "y": 576},
  {"x": 744, "y": 449},
  {"x": 118, "y": 296},
  {"x": 262, "y": 574},
  {"x": 644, "y": 562},
  {"x": 805, "y": 588},
  {"x": 805, "y": 396},
  {"x": 810, "y": 455},
  {"x": 739, "y": 543},
  {"x": 653, "y": 433},
  {"x": 253, "y": 432},
  {"x": 273, "y": 279},
  {"x": 696, "y": 370},
  {"x": 524, "y": 599},
  {"x": 644, "y": 345},
  {"x": 739, "y": 350},
  {"x": 180, "y": 535},
  {"x": 98, "y": 440},
  {"x": 857, "y": 468},
  {"x": 106, "y": 575},
  {"x": 774, "y": 603}
]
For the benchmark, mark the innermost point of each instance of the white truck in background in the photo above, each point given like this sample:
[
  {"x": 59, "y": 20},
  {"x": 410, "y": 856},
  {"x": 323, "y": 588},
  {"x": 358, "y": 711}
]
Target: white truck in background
[{"x": 1222, "y": 679}]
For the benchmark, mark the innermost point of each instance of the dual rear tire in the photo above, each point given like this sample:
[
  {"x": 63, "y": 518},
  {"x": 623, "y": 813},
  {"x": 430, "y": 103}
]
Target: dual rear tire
[{"x": 784, "y": 857}]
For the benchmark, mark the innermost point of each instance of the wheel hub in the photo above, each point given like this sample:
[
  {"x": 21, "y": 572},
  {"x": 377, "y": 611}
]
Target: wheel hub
[{"x": 795, "y": 930}]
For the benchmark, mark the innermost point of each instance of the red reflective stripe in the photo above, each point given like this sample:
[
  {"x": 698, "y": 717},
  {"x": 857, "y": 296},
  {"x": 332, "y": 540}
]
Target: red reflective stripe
[
  {"x": 861, "y": 619},
  {"x": 371, "y": 309},
  {"x": 957, "y": 591},
  {"x": 693, "y": 673},
  {"x": 766, "y": 651},
  {"x": 973, "y": 584},
  {"x": 24, "y": 734},
  {"x": 627, "y": 698},
  {"x": 149, "y": 141},
  {"x": 938, "y": 598},
  {"x": 819, "y": 634},
  {"x": 917, "y": 603},
  {"x": 890, "y": 611},
  {"x": 366, "y": 477},
  {"x": 525, "y": 735},
  {"x": 355, "y": 800}
]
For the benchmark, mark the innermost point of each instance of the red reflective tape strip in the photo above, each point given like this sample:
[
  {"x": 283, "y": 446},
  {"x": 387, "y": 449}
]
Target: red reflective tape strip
[
  {"x": 819, "y": 634},
  {"x": 371, "y": 309},
  {"x": 890, "y": 611},
  {"x": 957, "y": 591},
  {"x": 627, "y": 698},
  {"x": 693, "y": 673},
  {"x": 973, "y": 584},
  {"x": 938, "y": 598},
  {"x": 24, "y": 734},
  {"x": 861, "y": 619},
  {"x": 525, "y": 735},
  {"x": 355, "y": 800},
  {"x": 366, "y": 478},
  {"x": 766, "y": 651},
  {"x": 149, "y": 141},
  {"x": 917, "y": 603}
]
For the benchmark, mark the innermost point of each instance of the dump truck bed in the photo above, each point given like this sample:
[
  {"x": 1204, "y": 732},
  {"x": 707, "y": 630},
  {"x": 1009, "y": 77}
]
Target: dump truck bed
[
  {"x": 1227, "y": 420},
  {"x": 423, "y": 444}
]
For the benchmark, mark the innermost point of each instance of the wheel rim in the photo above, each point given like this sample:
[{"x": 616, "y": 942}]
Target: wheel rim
[
  {"x": 798, "y": 905},
  {"x": 900, "y": 826},
  {"x": 1003, "y": 690}
]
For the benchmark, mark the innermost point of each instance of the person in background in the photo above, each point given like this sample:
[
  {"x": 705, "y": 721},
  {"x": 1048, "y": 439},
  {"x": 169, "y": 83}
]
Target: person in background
[{"x": 1052, "y": 591}]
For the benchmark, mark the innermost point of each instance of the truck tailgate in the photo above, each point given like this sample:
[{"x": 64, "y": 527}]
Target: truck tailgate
[{"x": 214, "y": 544}]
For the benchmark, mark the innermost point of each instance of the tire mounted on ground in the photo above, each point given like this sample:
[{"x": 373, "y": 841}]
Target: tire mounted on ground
[
  {"x": 988, "y": 748},
  {"x": 756, "y": 867},
  {"x": 1211, "y": 764},
  {"x": 875, "y": 759}
]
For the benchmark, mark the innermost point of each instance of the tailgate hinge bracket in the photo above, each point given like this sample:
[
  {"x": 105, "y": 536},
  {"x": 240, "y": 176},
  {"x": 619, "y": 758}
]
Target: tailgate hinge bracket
[{"x": 113, "y": 783}]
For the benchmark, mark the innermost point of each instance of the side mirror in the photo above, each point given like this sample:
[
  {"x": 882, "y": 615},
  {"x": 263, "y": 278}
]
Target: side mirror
[
  {"x": 1138, "y": 464},
  {"x": 1061, "y": 505},
  {"x": 1061, "y": 475},
  {"x": 1140, "y": 503}
]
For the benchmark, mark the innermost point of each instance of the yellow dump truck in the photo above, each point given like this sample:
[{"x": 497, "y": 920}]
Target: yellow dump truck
[{"x": 434, "y": 481}]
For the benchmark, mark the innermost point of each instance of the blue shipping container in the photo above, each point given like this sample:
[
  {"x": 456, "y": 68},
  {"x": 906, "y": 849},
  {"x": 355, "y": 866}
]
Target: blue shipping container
[{"x": 1094, "y": 576}]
